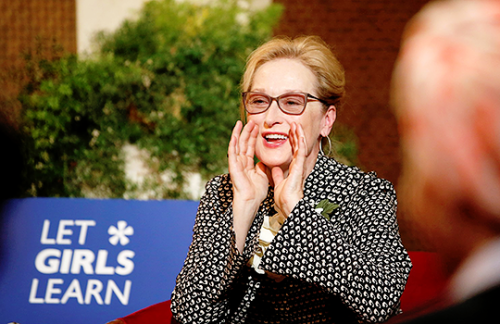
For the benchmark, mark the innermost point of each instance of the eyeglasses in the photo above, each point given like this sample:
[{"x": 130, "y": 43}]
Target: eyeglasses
[{"x": 292, "y": 103}]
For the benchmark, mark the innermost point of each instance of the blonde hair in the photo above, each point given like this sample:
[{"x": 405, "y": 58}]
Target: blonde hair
[{"x": 311, "y": 51}]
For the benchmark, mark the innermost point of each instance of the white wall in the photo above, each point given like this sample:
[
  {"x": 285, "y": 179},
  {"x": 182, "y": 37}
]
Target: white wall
[{"x": 96, "y": 15}]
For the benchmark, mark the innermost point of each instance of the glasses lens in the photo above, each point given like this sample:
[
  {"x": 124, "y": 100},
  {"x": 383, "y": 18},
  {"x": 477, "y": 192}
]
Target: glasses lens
[
  {"x": 293, "y": 103},
  {"x": 256, "y": 102}
]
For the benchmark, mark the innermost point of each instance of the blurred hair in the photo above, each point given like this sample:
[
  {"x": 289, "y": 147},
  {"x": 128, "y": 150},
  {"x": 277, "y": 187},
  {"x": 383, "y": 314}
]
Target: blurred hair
[
  {"x": 311, "y": 51},
  {"x": 450, "y": 45},
  {"x": 446, "y": 91}
]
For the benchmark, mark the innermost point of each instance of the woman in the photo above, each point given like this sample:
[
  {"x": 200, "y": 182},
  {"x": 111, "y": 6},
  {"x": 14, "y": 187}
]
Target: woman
[{"x": 344, "y": 266}]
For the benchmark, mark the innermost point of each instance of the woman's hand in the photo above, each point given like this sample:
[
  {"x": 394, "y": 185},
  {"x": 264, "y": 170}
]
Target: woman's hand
[
  {"x": 288, "y": 189},
  {"x": 250, "y": 181}
]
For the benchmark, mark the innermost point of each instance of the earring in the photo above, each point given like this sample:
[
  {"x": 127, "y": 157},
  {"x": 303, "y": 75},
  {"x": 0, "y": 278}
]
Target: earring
[
  {"x": 330, "y": 148},
  {"x": 329, "y": 145}
]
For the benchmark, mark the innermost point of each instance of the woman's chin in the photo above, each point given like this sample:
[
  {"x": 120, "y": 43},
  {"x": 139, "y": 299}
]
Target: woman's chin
[{"x": 273, "y": 163}]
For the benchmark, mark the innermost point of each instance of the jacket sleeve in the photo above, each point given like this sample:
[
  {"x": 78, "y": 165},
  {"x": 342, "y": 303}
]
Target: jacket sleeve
[
  {"x": 358, "y": 255},
  {"x": 213, "y": 261}
]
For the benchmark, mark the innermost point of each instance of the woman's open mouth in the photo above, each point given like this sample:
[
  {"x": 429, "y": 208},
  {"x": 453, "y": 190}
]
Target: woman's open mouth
[{"x": 274, "y": 139}]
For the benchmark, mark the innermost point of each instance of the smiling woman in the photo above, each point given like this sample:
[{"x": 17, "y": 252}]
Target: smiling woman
[{"x": 296, "y": 237}]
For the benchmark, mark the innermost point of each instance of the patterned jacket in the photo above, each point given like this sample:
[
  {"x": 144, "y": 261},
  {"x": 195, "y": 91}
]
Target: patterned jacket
[{"x": 351, "y": 268}]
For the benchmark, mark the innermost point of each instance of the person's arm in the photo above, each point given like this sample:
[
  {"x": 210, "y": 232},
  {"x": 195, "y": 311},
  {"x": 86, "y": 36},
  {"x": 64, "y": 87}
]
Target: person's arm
[
  {"x": 250, "y": 180},
  {"x": 357, "y": 256},
  {"x": 213, "y": 262}
]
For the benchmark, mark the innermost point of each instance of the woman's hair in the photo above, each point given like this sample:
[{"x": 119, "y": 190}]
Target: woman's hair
[{"x": 311, "y": 51}]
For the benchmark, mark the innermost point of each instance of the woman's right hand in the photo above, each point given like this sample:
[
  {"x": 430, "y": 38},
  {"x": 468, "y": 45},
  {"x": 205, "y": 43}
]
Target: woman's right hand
[{"x": 250, "y": 180}]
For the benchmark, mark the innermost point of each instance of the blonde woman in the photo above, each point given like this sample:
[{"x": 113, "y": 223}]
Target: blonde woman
[{"x": 296, "y": 237}]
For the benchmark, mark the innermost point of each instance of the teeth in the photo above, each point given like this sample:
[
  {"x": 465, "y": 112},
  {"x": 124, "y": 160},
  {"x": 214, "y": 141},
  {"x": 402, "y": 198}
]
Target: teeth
[{"x": 276, "y": 137}]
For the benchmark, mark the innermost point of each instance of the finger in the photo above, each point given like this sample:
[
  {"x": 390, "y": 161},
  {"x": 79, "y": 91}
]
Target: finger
[
  {"x": 295, "y": 138},
  {"x": 291, "y": 137},
  {"x": 278, "y": 176},
  {"x": 301, "y": 139},
  {"x": 244, "y": 137},
  {"x": 233, "y": 149},
  {"x": 236, "y": 136},
  {"x": 299, "y": 156},
  {"x": 231, "y": 154},
  {"x": 252, "y": 141}
]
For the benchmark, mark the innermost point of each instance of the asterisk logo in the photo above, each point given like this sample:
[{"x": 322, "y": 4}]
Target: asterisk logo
[{"x": 120, "y": 234}]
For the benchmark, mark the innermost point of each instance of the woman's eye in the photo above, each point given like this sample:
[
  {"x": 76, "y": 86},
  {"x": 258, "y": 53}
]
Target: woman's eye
[
  {"x": 259, "y": 101},
  {"x": 292, "y": 101}
]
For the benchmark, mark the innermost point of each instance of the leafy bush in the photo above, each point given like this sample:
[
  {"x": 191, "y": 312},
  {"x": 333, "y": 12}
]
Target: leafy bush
[{"x": 165, "y": 84}]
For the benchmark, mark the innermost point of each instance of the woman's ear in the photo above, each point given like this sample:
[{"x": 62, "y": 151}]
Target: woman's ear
[{"x": 328, "y": 120}]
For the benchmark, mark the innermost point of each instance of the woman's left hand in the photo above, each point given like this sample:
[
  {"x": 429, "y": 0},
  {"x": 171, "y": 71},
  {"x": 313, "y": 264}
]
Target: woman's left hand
[{"x": 288, "y": 189}]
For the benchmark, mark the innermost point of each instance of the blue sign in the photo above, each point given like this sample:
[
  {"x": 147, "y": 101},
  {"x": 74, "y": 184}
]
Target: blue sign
[{"x": 89, "y": 261}]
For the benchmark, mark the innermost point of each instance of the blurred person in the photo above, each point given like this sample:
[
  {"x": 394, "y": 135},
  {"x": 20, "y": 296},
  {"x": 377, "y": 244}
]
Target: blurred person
[
  {"x": 446, "y": 93},
  {"x": 296, "y": 237},
  {"x": 11, "y": 162}
]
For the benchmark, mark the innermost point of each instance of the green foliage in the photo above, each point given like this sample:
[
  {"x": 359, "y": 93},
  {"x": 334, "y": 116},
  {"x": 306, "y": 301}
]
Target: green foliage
[
  {"x": 64, "y": 114},
  {"x": 344, "y": 143},
  {"x": 167, "y": 83}
]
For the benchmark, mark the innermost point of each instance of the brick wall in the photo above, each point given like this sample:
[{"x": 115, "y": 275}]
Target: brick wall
[
  {"x": 21, "y": 23},
  {"x": 365, "y": 34}
]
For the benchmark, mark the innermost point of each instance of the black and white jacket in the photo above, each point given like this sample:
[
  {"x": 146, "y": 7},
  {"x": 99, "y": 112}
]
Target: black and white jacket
[{"x": 352, "y": 268}]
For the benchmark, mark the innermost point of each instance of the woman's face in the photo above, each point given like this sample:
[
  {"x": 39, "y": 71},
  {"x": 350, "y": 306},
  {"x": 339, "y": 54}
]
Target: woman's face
[{"x": 276, "y": 78}]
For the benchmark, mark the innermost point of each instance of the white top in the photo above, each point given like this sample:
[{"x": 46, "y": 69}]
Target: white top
[{"x": 479, "y": 272}]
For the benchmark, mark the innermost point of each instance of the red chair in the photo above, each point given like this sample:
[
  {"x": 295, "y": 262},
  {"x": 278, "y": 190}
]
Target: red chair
[
  {"x": 426, "y": 282},
  {"x": 155, "y": 314}
]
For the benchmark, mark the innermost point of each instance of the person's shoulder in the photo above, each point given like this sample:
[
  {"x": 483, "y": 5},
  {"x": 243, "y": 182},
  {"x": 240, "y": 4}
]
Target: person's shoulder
[
  {"x": 220, "y": 183},
  {"x": 355, "y": 174},
  {"x": 220, "y": 179},
  {"x": 331, "y": 165}
]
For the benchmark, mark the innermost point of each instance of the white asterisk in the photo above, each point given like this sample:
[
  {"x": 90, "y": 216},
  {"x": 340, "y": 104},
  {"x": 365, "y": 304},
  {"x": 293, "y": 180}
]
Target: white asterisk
[{"x": 120, "y": 234}]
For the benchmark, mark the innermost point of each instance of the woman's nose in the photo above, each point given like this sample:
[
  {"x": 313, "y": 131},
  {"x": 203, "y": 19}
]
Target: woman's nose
[{"x": 274, "y": 115}]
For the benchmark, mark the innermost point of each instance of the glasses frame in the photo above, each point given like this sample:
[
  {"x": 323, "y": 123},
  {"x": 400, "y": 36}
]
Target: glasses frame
[{"x": 309, "y": 98}]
